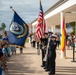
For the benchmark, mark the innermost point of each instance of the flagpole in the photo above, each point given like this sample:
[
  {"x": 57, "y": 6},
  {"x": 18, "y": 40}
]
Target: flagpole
[{"x": 63, "y": 40}]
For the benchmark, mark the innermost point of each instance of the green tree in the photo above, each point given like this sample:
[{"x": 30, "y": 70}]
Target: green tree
[
  {"x": 3, "y": 25},
  {"x": 0, "y": 28},
  {"x": 0, "y": 36},
  {"x": 73, "y": 27},
  {"x": 57, "y": 26}
]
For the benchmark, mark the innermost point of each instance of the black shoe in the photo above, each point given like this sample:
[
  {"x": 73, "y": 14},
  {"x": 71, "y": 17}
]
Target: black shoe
[
  {"x": 47, "y": 70},
  {"x": 51, "y": 73},
  {"x": 42, "y": 66}
]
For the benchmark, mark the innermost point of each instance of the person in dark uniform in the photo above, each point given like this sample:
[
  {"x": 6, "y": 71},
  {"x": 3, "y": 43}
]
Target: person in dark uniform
[
  {"x": 47, "y": 68},
  {"x": 44, "y": 41},
  {"x": 52, "y": 54}
]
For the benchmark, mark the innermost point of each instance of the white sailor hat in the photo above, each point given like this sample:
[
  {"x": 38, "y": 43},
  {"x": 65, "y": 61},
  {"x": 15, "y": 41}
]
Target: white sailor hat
[
  {"x": 54, "y": 36},
  {"x": 49, "y": 31}
]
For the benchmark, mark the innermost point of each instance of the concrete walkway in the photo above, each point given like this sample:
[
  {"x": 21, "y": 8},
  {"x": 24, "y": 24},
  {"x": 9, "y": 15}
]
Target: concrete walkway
[{"x": 29, "y": 63}]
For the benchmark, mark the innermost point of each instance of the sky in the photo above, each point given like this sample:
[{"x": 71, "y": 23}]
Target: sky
[{"x": 28, "y": 10}]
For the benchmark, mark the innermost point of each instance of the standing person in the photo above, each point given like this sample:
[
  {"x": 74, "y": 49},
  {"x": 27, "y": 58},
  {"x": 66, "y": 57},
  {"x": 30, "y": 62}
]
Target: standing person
[
  {"x": 42, "y": 50},
  {"x": 44, "y": 41},
  {"x": 33, "y": 40},
  {"x": 38, "y": 45},
  {"x": 1, "y": 64},
  {"x": 73, "y": 38},
  {"x": 37, "y": 41},
  {"x": 0, "y": 46},
  {"x": 68, "y": 43},
  {"x": 52, "y": 54},
  {"x": 13, "y": 49},
  {"x": 47, "y": 68},
  {"x": 58, "y": 40},
  {"x": 5, "y": 38},
  {"x": 5, "y": 55},
  {"x": 4, "y": 49},
  {"x": 21, "y": 50}
]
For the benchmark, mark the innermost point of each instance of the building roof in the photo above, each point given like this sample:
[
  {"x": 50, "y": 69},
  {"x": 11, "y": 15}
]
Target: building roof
[
  {"x": 52, "y": 15},
  {"x": 56, "y": 5},
  {"x": 60, "y": 2}
]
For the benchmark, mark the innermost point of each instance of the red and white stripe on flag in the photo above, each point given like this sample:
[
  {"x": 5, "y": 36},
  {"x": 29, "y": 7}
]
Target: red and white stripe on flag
[{"x": 41, "y": 26}]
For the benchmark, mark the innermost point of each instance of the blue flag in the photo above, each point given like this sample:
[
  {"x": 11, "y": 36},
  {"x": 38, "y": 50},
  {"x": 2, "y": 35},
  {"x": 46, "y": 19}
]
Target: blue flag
[{"x": 18, "y": 31}]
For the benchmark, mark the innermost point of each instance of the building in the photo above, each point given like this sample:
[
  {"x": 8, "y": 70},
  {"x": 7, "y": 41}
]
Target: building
[
  {"x": 53, "y": 14},
  {"x": 63, "y": 12}
]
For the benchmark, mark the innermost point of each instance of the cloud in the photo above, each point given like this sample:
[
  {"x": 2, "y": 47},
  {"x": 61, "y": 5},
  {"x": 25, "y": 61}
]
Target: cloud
[
  {"x": 27, "y": 9},
  {"x": 18, "y": 2}
]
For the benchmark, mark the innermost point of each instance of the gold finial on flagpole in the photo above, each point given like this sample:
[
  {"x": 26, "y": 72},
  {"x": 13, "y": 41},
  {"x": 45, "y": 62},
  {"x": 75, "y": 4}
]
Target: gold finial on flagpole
[{"x": 12, "y": 8}]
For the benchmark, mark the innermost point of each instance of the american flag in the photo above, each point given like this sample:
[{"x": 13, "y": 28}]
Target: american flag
[{"x": 41, "y": 26}]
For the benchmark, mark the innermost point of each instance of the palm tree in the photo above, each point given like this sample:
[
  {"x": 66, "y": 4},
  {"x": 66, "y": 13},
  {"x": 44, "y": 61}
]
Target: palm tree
[{"x": 73, "y": 27}]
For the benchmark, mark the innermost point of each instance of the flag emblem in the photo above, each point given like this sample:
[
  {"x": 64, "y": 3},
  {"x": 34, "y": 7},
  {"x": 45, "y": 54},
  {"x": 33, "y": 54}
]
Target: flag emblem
[{"x": 15, "y": 28}]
